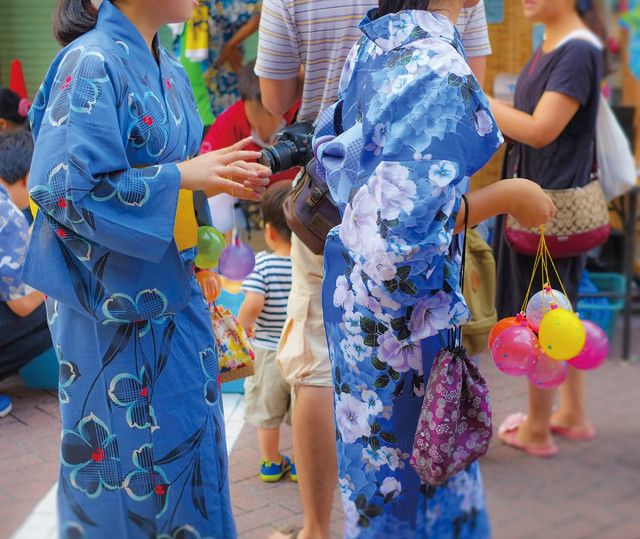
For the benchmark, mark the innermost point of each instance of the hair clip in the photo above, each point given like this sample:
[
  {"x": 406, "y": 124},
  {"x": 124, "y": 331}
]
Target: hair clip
[{"x": 23, "y": 107}]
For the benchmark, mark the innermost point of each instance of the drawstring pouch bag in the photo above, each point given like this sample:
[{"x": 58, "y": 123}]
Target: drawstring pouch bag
[
  {"x": 235, "y": 355},
  {"x": 454, "y": 428}
]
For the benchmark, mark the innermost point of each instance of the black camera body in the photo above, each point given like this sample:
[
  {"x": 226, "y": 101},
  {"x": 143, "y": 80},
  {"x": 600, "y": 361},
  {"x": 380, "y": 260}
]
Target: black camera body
[{"x": 293, "y": 149}]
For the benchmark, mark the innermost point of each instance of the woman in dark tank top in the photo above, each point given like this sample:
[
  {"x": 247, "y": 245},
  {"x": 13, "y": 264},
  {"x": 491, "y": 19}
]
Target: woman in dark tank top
[{"x": 552, "y": 127}]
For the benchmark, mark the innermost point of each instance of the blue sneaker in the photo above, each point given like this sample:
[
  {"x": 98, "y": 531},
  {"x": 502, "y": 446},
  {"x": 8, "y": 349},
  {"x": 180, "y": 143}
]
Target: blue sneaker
[
  {"x": 270, "y": 472},
  {"x": 293, "y": 473},
  {"x": 5, "y": 405}
]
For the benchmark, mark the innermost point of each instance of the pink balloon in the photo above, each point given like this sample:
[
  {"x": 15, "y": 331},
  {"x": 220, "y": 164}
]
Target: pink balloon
[
  {"x": 236, "y": 261},
  {"x": 515, "y": 351},
  {"x": 548, "y": 373},
  {"x": 596, "y": 348}
]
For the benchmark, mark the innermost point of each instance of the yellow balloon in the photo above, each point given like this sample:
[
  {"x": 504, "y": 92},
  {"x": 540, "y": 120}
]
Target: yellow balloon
[
  {"x": 562, "y": 335},
  {"x": 232, "y": 287}
]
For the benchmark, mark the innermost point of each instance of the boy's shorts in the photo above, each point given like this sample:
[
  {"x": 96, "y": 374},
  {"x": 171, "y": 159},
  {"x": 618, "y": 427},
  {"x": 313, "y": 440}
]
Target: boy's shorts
[{"x": 267, "y": 395}]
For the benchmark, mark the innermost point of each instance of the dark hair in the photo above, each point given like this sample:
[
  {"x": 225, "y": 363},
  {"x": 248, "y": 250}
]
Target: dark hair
[
  {"x": 385, "y": 7},
  {"x": 73, "y": 18},
  {"x": 249, "y": 84},
  {"x": 10, "y": 106},
  {"x": 272, "y": 208},
  {"x": 591, "y": 17},
  {"x": 16, "y": 151}
]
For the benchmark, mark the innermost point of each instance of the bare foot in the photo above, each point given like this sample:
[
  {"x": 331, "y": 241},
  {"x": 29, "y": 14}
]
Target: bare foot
[
  {"x": 573, "y": 422},
  {"x": 533, "y": 437}
]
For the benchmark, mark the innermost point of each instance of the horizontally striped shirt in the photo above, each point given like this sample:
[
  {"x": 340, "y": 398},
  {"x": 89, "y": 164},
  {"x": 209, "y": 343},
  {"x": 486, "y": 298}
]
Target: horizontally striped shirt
[
  {"x": 319, "y": 35},
  {"x": 271, "y": 278}
]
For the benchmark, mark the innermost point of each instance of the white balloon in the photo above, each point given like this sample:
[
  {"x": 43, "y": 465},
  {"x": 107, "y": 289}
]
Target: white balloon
[{"x": 540, "y": 304}]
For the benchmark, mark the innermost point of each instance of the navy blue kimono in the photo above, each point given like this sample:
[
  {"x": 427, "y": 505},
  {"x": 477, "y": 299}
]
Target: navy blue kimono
[{"x": 143, "y": 446}]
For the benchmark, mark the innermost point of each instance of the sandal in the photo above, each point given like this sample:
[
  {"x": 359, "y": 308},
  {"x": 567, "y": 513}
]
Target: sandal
[
  {"x": 508, "y": 433},
  {"x": 576, "y": 434}
]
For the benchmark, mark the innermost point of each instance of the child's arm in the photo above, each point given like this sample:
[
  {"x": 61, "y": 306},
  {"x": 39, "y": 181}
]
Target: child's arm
[
  {"x": 250, "y": 310},
  {"x": 24, "y": 306},
  {"x": 230, "y": 50}
]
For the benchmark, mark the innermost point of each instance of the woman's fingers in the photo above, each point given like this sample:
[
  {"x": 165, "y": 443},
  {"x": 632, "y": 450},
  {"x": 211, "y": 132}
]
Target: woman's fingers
[
  {"x": 238, "y": 155},
  {"x": 237, "y": 146}
]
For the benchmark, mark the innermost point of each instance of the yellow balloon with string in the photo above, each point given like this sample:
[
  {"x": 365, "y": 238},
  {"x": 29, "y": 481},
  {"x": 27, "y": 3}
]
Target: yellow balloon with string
[{"x": 562, "y": 334}]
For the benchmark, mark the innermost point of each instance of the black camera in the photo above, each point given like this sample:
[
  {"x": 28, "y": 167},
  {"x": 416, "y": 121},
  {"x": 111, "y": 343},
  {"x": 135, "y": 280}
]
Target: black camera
[{"x": 293, "y": 149}]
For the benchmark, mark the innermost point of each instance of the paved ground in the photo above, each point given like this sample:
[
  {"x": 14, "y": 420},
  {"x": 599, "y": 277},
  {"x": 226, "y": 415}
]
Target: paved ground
[{"x": 591, "y": 490}]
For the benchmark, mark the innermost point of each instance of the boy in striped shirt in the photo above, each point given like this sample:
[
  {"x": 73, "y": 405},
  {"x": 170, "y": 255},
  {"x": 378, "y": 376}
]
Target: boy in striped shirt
[{"x": 263, "y": 314}]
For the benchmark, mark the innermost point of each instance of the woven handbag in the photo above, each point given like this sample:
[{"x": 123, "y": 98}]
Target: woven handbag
[{"x": 582, "y": 223}]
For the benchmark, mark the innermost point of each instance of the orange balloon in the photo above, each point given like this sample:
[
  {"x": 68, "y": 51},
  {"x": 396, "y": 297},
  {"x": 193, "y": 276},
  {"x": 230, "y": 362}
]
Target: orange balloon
[
  {"x": 503, "y": 324},
  {"x": 210, "y": 283}
]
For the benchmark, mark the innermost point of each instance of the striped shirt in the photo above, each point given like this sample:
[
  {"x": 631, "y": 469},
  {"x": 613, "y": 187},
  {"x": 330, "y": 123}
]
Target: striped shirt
[
  {"x": 271, "y": 278},
  {"x": 319, "y": 35}
]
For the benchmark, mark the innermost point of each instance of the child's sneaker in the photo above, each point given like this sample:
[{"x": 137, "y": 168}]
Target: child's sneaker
[
  {"x": 270, "y": 472},
  {"x": 5, "y": 405},
  {"x": 293, "y": 473}
]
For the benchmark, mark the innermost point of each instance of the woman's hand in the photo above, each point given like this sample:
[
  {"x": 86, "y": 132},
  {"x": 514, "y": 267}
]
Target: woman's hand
[
  {"x": 226, "y": 171},
  {"x": 528, "y": 203}
]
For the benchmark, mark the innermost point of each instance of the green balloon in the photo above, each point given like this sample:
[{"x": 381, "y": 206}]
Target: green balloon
[{"x": 210, "y": 246}]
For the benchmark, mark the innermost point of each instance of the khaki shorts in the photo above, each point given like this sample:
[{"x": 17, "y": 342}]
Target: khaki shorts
[
  {"x": 267, "y": 395},
  {"x": 303, "y": 355}
]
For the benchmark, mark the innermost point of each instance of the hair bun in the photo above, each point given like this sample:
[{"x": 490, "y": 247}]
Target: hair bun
[{"x": 23, "y": 107}]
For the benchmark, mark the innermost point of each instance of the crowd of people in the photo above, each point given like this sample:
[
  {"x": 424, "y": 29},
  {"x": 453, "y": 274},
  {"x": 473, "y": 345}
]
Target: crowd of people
[{"x": 112, "y": 147}]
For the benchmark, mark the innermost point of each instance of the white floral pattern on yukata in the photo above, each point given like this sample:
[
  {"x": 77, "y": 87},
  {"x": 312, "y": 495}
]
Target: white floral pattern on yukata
[{"x": 417, "y": 126}]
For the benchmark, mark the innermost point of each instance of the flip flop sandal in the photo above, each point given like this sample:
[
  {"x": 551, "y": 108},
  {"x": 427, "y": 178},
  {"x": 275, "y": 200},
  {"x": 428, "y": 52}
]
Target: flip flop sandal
[
  {"x": 508, "y": 434},
  {"x": 578, "y": 435}
]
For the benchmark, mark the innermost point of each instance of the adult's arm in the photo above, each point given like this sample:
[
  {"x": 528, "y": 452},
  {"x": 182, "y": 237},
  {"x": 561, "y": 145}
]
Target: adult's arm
[
  {"x": 279, "y": 62},
  {"x": 476, "y": 39}
]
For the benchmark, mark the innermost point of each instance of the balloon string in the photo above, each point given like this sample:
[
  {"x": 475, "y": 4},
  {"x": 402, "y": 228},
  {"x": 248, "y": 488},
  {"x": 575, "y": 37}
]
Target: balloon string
[{"x": 536, "y": 264}]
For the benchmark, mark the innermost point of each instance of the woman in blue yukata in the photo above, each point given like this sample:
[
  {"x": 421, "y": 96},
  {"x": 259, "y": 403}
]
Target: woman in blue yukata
[
  {"x": 416, "y": 127},
  {"x": 143, "y": 446}
]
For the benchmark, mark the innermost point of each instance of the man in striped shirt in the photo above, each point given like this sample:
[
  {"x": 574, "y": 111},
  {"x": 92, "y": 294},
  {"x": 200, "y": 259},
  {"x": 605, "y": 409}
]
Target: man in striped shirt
[{"x": 303, "y": 45}]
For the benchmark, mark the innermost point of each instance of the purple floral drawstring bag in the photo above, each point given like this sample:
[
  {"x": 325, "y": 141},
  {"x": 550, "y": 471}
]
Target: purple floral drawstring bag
[{"x": 455, "y": 427}]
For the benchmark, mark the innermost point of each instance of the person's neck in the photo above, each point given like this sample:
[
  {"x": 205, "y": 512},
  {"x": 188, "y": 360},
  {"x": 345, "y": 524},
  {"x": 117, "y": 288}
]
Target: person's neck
[
  {"x": 449, "y": 8},
  {"x": 139, "y": 17},
  {"x": 282, "y": 248},
  {"x": 559, "y": 28},
  {"x": 12, "y": 191}
]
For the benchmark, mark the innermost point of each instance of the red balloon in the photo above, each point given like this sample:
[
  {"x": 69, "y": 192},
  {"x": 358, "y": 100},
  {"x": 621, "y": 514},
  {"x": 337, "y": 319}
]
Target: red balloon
[
  {"x": 516, "y": 350},
  {"x": 501, "y": 325},
  {"x": 596, "y": 348}
]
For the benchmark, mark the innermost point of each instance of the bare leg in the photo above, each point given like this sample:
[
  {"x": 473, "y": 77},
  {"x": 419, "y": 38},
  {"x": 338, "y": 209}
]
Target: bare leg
[
  {"x": 536, "y": 430},
  {"x": 269, "y": 442},
  {"x": 572, "y": 412},
  {"x": 314, "y": 441}
]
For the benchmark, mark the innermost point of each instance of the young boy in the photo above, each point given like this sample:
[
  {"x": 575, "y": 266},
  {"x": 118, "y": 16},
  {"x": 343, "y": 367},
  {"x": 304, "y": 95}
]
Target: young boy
[
  {"x": 23, "y": 322},
  {"x": 262, "y": 314}
]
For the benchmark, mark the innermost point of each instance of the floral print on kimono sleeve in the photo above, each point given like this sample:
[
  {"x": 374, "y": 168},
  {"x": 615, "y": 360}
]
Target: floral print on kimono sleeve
[{"x": 85, "y": 183}]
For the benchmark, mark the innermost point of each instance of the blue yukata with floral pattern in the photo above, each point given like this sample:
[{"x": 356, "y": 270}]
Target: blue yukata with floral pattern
[
  {"x": 143, "y": 446},
  {"x": 416, "y": 127}
]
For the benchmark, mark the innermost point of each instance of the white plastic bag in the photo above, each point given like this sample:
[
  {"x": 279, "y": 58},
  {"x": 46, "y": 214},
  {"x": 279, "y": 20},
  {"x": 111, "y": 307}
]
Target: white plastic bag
[{"x": 618, "y": 172}]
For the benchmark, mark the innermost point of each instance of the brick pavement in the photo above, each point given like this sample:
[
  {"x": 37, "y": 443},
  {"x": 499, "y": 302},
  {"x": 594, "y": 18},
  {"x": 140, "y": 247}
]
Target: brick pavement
[{"x": 591, "y": 490}]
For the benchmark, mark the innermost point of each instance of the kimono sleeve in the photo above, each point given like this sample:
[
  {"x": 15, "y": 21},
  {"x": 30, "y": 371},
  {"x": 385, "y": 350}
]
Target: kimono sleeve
[{"x": 81, "y": 176}]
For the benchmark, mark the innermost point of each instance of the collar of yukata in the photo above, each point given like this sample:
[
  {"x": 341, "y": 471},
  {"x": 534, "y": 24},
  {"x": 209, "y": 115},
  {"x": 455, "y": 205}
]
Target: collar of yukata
[
  {"x": 115, "y": 24},
  {"x": 400, "y": 29}
]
